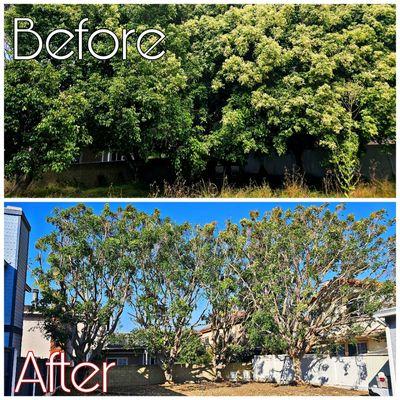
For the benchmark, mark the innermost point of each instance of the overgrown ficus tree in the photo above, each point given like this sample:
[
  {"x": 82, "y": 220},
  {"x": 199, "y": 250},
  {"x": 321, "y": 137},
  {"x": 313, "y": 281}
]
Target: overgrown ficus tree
[
  {"x": 84, "y": 276},
  {"x": 166, "y": 286},
  {"x": 314, "y": 271},
  {"x": 235, "y": 80},
  {"x": 295, "y": 76}
]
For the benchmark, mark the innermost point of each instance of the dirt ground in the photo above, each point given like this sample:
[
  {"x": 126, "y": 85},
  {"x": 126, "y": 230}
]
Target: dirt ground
[{"x": 237, "y": 389}]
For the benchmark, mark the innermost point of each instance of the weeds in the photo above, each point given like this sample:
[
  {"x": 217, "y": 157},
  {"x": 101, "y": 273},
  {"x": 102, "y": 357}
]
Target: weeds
[{"x": 294, "y": 186}]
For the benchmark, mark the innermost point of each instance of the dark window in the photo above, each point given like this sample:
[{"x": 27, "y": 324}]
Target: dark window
[
  {"x": 153, "y": 361},
  {"x": 362, "y": 348},
  {"x": 120, "y": 361},
  {"x": 352, "y": 349},
  {"x": 340, "y": 351}
]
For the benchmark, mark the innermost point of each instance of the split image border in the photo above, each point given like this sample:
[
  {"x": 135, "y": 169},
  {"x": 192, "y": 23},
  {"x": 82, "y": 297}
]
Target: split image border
[{"x": 191, "y": 201}]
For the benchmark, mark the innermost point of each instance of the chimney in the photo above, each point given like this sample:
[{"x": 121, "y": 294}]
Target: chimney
[{"x": 35, "y": 297}]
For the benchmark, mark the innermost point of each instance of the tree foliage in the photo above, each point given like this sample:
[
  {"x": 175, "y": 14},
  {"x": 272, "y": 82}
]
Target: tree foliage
[
  {"x": 166, "y": 287},
  {"x": 84, "y": 276},
  {"x": 312, "y": 272},
  {"x": 288, "y": 281},
  {"x": 235, "y": 80},
  {"x": 193, "y": 351}
]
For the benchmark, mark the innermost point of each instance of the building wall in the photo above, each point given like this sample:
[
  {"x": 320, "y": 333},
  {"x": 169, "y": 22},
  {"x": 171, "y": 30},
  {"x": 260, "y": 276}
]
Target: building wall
[
  {"x": 391, "y": 322},
  {"x": 377, "y": 346},
  {"x": 377, "y": 162},
  {"x": 132, "y": 359},
  {"x": 33, "y": 337},
  {"x": 123, "y": 379},
  {"x": 348, "y": 372},
  {"x": 16, "y": 242},
  {"x": 96, "y": 174},
  {"x": 10, "y": 276}
]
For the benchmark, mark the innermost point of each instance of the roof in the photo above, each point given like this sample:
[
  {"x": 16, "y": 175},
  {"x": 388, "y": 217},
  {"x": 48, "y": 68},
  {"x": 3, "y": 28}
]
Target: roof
[
  {"x": 121, "y": 346},
  {"x": 206, "y": 329},
  {"x": 10, "y": 210},
  {"x": 118, "y": 350},
  {"x": 237, "y": 316},
  {"x": 386, "y": 312}
]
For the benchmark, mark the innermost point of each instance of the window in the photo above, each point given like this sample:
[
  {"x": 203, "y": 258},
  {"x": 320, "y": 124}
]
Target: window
[
  {"x": 153, "y": 360},
  {"x": 340, "y": 351},
  {"x": 352, "y": 349},
  {"x": 120, "y": 361},
  {"x": 357, "y": 349},
  {"x": 362, "y": 348}
]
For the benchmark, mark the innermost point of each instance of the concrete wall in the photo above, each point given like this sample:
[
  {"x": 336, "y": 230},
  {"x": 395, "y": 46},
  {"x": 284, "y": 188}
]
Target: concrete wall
[
  {"x": 378, "y": 160},
  {"x": 90, "y": 175},
  {"x": 348, "y": 372},
  {"x": 125, "y": 378}
]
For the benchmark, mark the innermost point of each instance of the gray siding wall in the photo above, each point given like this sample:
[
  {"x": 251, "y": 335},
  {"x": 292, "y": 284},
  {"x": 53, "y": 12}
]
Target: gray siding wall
[
  {"x": 16, "y": 245},
  {"x": 21, "y": 277},
  {"x": 391, "y": 321}
]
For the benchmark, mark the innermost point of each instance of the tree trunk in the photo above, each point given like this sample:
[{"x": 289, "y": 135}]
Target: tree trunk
[
  {"x": 20, "y": 184},
  {"x": 297, "y": 378},
  {"x": 218, "y": 374},
  {"x": 168, "y": 374},
  {"x": 219, "y": 365}
]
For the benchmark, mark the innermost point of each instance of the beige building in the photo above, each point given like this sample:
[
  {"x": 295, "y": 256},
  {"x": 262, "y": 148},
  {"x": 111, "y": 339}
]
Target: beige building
[
  {"x": 33, "y": 338},
  {"x": 370, "y": 341}
]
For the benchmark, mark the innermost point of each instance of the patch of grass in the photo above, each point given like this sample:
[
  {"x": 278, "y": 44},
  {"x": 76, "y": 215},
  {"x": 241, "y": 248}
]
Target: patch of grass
[
  {"x": 69, "y": 191},
  {"x": 293, "y": 187},
  {"x": 377, "y": 188}
]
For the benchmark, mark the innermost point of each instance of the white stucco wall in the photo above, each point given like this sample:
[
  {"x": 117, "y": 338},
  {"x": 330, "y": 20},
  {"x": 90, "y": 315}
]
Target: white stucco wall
[
  {"x": 348, "y": 372},
  {"x": 33, "y": 338}
]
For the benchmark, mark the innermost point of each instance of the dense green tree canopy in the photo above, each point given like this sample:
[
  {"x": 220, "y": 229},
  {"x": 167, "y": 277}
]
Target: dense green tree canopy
[{"x": 234, "y": 80}]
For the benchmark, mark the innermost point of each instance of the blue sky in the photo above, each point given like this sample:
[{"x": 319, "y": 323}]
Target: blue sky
[{"x": 194, "y": 212}]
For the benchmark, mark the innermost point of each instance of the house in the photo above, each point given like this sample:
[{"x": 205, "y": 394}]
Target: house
[
  {"x": 384, "y": 382},
  {"x": 235, "y": 320},
  {"x": 33, "y": 337},
  {"x": 369, "y": 340},
  {"x": 388, "y": 317},
  {"x": 127, "y": 356},
  {"x": 16, "y": 244}
]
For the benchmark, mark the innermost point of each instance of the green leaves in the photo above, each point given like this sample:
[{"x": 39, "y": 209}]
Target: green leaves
[
  {"x": 86, "y": 281},
  {"x": 235, "y": 80}
]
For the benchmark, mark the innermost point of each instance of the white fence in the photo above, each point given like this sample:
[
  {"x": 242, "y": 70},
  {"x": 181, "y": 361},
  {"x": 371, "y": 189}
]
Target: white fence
[{"x": 348, "y": 372}]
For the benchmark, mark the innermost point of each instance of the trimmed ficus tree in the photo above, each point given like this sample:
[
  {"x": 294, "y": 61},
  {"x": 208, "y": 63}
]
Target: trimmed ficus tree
[
  {"x": 314, "y": 271},
  {"x": 84, "y": 276},
  {"x": 166, "y": 286},
  {"x": 225, "y": 318},
  {"x": 289, "y": 281}
]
